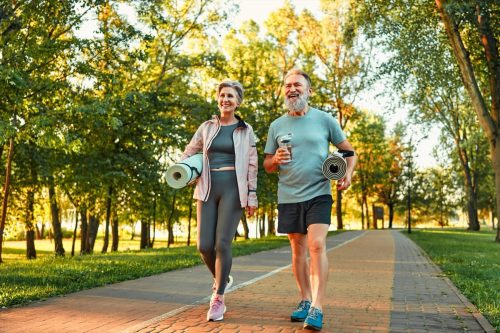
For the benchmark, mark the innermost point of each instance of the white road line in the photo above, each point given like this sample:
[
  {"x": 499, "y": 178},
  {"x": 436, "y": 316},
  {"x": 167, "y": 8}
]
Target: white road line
[{"x": 169, "y": 314}]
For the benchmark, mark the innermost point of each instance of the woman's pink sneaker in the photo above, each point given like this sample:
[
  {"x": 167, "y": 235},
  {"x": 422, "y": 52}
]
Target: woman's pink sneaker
[{"x": 217, "y": 309}]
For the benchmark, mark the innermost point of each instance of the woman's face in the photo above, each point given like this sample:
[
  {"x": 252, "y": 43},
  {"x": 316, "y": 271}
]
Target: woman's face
[{"x": 228, "y": 99}]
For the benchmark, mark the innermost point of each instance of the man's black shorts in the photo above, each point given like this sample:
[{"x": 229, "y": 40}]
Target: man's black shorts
[{"x": 296, "y": 217}]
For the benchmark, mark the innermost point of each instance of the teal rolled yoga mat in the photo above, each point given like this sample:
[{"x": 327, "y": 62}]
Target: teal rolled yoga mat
[{"x": 185, "y": 171}]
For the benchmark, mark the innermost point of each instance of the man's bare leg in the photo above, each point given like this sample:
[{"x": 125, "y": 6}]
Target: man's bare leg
[
  {"x": 316, "y": 242},
  {"x": 298, "y": 243}
]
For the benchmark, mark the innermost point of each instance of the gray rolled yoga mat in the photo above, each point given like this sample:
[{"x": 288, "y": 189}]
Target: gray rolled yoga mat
[
  {"x": 185, "y": 171},
  {"x": 334, "y": 167}
]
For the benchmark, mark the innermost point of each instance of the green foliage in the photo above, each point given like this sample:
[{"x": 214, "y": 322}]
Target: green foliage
[
  {"x": 373, "y": 165},
  {"x": 109, "y": 113},
  {"x": 472, "y": 261}
]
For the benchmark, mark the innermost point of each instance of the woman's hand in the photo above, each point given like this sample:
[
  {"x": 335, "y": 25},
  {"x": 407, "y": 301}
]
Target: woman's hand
[{"x": 251, "y": 210}]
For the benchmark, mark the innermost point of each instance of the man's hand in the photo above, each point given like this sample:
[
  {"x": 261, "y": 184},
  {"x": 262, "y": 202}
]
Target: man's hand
[
  {"x": 272, "y": 162},
  {"x": 282, "y": 156},
  {"x": 344, "y": 183}
]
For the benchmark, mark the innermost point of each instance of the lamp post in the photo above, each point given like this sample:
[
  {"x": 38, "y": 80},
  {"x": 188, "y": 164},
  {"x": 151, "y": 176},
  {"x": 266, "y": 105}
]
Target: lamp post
[{"x": 410, "y": 179}]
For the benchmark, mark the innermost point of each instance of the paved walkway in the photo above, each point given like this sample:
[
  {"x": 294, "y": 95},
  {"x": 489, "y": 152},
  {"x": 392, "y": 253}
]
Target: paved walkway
[{"x": 379, "y": 282}]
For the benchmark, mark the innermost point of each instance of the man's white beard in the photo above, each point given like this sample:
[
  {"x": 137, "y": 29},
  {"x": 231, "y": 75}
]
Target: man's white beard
[{"x": 299, "y": 104}]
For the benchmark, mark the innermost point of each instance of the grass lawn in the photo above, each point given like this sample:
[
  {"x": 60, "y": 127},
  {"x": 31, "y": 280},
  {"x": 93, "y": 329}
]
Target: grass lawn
[
  {"x": 16, "y": 250},
  {"x": 472, "y": 261}
]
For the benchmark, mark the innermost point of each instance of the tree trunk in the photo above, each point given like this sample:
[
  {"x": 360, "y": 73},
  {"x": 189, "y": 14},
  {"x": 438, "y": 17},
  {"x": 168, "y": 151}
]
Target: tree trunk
[
  {"x": 262, "y": 224},
  {"x": 338, "y": 210},
  {"x": 39, "y": 232},
  {"x": 470, "y": 186},
  {"x": 6, "y": 193},
  {"x": 83, "y": 232},
  {"x": 362, "y": 215},
  {"x": 496, "y": 158},
  {"x": 56, "y": 222},
  {"x": 30, "y": 225},
  {"x": 144, "y": 235},
  {"x": 108, "y": 219},
  {"x": 170, "y": 233},
  {"x": 75, "y": 232},
  {"x": 246, "y": 230},
  {"x": 375, "y": 226},
  {"x": 391, "y": 215},
  {"x": 489, "y": 122},
  {"x": 170, "y": 221},
  {"x": 92, "y": 230},
  {"x": 367, "y": 212},
  {"x": 270, "y": 222},
  {"x": 114, "y": 232},
  {"x": 152, "y": 240}
]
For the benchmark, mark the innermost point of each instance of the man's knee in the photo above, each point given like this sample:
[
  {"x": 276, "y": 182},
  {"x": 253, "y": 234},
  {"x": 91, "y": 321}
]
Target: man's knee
[
  {"x": 317, "y": 246},
  {"x": 299, "y": 247}
]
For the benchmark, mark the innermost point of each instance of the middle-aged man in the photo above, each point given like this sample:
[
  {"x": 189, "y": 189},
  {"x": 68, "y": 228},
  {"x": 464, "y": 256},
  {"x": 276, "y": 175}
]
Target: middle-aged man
[{"x": 304, "y": 194}]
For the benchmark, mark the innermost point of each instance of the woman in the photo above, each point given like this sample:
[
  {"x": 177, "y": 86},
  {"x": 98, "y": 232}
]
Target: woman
[{"x": 227, "y": 185}]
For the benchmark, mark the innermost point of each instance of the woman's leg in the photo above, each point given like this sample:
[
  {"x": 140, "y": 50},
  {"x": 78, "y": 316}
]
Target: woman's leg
[
  {"x": 207, "y": 223},
  {"x": 229, "y": 215}
]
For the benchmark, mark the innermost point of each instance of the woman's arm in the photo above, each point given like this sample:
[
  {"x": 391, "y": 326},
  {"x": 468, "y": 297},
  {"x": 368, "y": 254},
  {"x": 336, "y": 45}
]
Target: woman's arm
[
  {"x": 195, "y": 145},
  {"x": 253, "y": 167}
]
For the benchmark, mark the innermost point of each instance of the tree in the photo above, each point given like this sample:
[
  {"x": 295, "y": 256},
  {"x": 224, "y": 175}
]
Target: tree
[
  {"x": 35, "y": 38},
  {"x": 478, "y": 22},
  {"x": 439, "y": 199},
  {"x": 389, "y": 191},
  {"x": 371, "y": 148},
  {"x": 471, "y": 29}
]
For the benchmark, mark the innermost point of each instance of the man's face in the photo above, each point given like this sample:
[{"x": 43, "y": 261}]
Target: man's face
[{"x": 297, "y": 92}]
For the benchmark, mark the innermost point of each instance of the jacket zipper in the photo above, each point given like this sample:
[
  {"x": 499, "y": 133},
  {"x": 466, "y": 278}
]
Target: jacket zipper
[{"x": 208, "y": 162}]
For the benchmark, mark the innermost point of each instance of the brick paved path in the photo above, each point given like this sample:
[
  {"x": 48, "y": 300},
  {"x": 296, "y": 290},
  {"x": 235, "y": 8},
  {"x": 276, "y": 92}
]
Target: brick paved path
[{"x": 379, "y": 282}]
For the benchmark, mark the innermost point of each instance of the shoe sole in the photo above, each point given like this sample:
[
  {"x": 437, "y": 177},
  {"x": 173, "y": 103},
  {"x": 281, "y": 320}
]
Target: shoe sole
[
  {"x": 295, "y": 319},
  {"x": 312, "y": 327}
]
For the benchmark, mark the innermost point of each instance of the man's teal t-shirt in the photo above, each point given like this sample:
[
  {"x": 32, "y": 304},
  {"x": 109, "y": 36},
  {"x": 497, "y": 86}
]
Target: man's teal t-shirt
[{"x": 302, "y": 179}]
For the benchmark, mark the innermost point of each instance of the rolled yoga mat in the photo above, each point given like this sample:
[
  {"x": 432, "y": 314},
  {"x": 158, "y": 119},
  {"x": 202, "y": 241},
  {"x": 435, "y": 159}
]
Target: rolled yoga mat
[
  {"x": 335, "y": 165},
  {"x": 185, "y": 171}
]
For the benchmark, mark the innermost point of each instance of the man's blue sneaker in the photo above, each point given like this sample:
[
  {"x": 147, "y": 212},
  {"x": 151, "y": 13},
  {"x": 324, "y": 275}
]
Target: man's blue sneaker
[
  {"x": 314, "y": 320},
  {"x": 300, "y": 313}
]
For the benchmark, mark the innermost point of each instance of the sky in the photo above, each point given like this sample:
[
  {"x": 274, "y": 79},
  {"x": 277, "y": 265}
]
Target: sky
[{"x": 259, "y": 10}]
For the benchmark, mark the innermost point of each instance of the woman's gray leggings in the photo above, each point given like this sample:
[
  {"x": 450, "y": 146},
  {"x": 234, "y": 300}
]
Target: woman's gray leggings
[{"x": 218, "y": 219}]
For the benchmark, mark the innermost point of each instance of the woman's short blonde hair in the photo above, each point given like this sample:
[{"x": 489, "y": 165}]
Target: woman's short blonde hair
[{"x": 232, "y": 84}]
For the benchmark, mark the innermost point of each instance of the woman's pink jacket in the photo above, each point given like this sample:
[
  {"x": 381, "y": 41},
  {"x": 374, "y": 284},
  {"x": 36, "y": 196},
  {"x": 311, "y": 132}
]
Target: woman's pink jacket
[{"x": 246, "y": 162}]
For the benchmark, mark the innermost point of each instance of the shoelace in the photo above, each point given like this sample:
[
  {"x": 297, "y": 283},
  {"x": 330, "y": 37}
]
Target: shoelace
[
  {"x": 302, "y": 305},
  {"x": 216, "y": 303},
  {"x": 314, "y": 313}
]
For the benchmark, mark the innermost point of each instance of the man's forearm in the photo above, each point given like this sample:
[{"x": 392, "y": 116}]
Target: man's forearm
[{"x": 270, "y": 165}]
